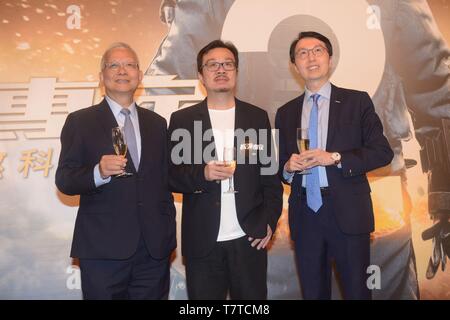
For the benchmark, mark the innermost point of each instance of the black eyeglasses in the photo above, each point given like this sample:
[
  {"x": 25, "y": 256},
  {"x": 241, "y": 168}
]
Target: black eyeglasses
[{"x": 213, "y": 66}]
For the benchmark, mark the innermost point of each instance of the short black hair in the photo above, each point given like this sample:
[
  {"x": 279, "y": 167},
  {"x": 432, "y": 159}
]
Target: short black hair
[
  {"x": 213, "y": 45},
  {"x": 310, "y": 34}
]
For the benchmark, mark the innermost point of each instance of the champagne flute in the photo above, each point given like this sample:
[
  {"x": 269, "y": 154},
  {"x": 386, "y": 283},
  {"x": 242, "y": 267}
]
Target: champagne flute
[
  {"x": 229, "y": 159},
  {"x": 303, "y": 144},
  {"x": 120, "y": 146}
]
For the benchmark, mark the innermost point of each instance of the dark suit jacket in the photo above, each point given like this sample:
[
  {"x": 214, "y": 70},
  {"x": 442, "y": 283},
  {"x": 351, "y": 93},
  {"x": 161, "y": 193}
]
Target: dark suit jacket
[
  {"x": 356, "y": 132},
  {"x": 111, "y": 218},
  {"x": 259, "y": 197}
]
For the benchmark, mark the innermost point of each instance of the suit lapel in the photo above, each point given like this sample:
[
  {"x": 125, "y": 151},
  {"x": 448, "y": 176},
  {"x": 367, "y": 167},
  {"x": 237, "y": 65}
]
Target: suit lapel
[
  {"x": 146, "y": 138},
  {"x": 203, "y": 116},
  {"x": 298, "y": 117},
  {"x": 240, "y": 122},
  {"x": 335, "y": 101},
  {"x": 240, "y": 119},
  {"x": 296, "y": 122},
  {"x": 107, "y": 121},
  {"x": 239, "y": 115}
]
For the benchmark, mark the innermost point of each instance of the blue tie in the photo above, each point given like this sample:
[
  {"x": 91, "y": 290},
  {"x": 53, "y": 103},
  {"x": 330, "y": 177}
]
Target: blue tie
[
  {"x": 313, "y": 195},
  {"x": 130, "y": 138}
]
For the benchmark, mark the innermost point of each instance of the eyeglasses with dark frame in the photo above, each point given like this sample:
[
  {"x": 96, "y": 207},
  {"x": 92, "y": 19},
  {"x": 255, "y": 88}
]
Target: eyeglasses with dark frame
[
  {"x": 317, "y": 51},
  {"x": 213, "y": 66}
]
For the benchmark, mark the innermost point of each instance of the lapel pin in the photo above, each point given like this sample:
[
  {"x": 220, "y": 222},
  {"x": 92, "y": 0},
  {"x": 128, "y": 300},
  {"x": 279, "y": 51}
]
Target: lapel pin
[{"x": 337, "y": 101}]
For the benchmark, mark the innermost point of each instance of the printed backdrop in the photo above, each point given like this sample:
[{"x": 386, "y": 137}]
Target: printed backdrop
[{"x": 49, "y": 63}]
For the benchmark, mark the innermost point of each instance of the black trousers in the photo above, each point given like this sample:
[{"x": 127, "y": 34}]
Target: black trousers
[
  {"x": 139, "y": 277},
  {"x": 319, "y": 243},
  {"x": 232, "y": 266}
]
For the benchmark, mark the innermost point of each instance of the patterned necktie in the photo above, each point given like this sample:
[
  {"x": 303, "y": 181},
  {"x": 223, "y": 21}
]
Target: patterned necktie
[
  {"x": 313, "y": 195},
  {"x": 130, "y": 137}
]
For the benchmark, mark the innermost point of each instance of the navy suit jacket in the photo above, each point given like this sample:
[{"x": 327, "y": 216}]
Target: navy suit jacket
[
  {"x": 356, "y": 132},
  {"x": 112, "y": 217},
  {"x": 259, "y": 197}
]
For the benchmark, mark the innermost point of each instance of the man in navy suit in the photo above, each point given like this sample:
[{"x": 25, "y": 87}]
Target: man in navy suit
[
  {"x": 330, "y": 209},
  {"x": 125, "y": 227}
]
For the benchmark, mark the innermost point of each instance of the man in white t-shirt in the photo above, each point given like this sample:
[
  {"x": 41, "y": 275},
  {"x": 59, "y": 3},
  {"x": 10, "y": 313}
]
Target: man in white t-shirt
[{"x": 230, "y": 209}]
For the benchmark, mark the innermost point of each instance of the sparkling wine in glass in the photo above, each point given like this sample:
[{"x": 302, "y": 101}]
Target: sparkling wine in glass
[
  {"x": 303, "y": 144},
  {"x": 229, "y": 159},
  {"x": 120, "y": 146}
]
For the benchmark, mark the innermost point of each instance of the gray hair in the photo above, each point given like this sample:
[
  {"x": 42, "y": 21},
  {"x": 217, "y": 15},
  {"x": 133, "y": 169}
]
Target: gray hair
[{"x": 116, "y": 45}]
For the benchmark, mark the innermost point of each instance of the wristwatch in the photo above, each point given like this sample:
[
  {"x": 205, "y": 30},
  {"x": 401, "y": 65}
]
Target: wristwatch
[{"x": 336, "y": 156}]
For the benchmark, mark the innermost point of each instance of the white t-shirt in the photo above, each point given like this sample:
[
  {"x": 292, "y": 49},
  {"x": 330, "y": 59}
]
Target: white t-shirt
[{"x": 222, "y": 122}]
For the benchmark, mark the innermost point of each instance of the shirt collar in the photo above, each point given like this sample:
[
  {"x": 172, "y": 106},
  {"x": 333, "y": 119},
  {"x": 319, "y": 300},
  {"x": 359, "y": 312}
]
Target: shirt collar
[
  {"x": 116, "y": 108},
  {"x": 324, "y": 91}
]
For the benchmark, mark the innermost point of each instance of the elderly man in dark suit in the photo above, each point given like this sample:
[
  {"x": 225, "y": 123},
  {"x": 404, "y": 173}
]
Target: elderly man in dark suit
[
  {"x": 125, "y": 227},
  {"x": 330, "y": 209}
]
